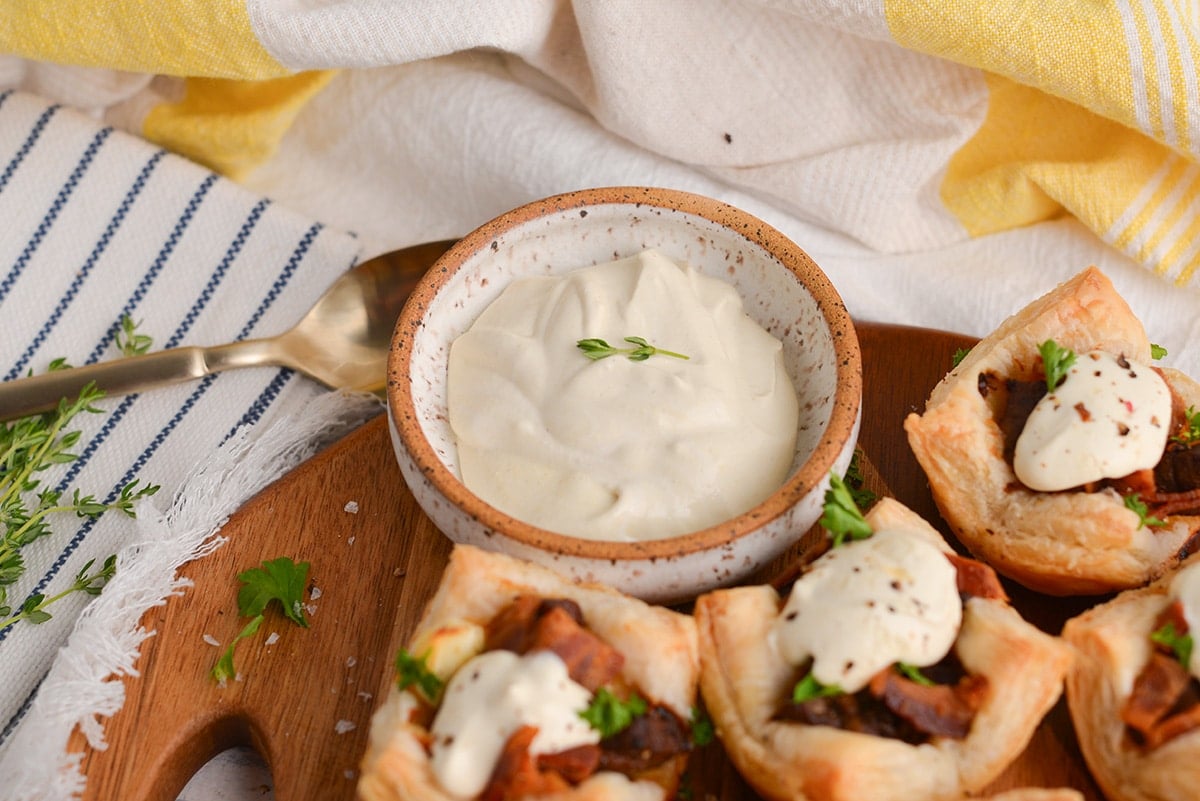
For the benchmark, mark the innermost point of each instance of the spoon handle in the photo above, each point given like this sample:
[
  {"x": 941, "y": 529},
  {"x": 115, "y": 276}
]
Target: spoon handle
[{"x": 42, "y": 392}]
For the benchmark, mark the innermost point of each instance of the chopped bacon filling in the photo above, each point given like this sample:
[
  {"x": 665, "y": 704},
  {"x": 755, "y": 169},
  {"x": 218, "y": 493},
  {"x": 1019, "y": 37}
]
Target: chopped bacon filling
[
  {"x": 1165, "y": 700},
  {"x": 894, "y": 706},
  {"x": 1172, "y": 487},
  {"x": 532, "y": 623}
]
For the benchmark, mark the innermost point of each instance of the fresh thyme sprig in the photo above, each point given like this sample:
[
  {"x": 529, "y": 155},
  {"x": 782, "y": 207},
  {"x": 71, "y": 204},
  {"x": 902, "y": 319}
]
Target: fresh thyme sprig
[
  {"x": 29, "y": 446},
  {"x": 596, "y": 349},
  {"x": 129, "y": 340}
]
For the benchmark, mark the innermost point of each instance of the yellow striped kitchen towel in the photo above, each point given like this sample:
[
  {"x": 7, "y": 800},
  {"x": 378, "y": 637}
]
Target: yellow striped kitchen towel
[{"x": 1083, "y": 107}]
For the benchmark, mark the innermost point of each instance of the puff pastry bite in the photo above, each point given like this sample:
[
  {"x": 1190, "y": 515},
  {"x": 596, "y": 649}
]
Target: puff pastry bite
[
  {"x": 1134, "y": 693},
  {"x": 1100, "y": 436},
  {"x": 872, "y": 611},
  {"x": 509, "y": 675}
]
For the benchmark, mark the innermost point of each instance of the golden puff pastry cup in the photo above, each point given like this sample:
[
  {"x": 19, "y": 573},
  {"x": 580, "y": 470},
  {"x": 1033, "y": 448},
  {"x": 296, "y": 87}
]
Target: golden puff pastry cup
[
  {"x": 744, "y": 681},
  {"x": 1112, "y": 644},
  {"x": 660, "y": 662},
  {"x": 1058, "y": 543}
]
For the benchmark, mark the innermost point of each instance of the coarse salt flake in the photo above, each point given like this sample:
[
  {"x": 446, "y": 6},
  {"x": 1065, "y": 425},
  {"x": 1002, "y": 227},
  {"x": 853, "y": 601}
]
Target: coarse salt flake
[
  {"x": 343, "y": 726},
  {"x": 351, "y": 507},
  {"x": 211, "y": 640},
  {"x": 272, "y": 638}
]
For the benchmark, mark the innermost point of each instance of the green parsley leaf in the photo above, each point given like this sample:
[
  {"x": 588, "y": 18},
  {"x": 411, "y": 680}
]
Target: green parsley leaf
[
  {"x": 1135, "y": 504},
  {"x": 1180, "y": 644},
  {"x": 1157, "y": 351},
  {"x": 277, "y": 580},
  {"x": 808, "y": 688},
  {"x": 609, "y": 715},
  {"x": 856, "y": 484},
  {"x": 412, "y": 671},
  {"x": 1056, "y": 361},
  {"x": 224, "y": 669},
  {"x": 959, "y": 355},
  {"x": 842, "y": 517}
]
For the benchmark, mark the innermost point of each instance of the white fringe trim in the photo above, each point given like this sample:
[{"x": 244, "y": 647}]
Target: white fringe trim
[{"x": 81, "y": 687}]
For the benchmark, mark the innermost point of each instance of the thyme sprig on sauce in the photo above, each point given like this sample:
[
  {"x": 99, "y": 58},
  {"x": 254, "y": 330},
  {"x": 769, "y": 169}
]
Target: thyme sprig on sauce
[{"x": 596, "y": 349}]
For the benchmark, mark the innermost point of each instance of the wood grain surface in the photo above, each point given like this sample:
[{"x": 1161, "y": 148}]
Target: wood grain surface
[{"x": 305, "y": 701}]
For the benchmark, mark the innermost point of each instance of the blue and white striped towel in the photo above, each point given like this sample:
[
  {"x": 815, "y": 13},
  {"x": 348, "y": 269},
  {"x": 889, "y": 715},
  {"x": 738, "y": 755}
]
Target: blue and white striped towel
[{"x": 96, "y": 224}]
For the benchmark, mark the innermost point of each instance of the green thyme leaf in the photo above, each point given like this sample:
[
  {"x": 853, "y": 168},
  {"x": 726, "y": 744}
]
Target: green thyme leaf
[
  {"x": 129, "y": 340},
  {"x": 610, "y": 715},
  {"x": 412, "y": 671},
  {"x": 808, "y": 688},
  {"x": 1056, "y": 362},
  {"x": 1135, "y": 504},
  {"x": 596, "y": 349},
  {"x": 1180, "y": 644},
  {"x": 842, "y": 517}
]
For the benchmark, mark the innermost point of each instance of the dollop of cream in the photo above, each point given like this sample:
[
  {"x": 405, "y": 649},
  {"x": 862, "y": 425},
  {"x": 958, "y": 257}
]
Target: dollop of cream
[
  {"x": 1185, "y": 588},
  {"x": 867, "y": 604},
  {"x": 1108, "y": 418},
  {"x": 488, "y": 699},
  {"x": 616, "y": 449}
]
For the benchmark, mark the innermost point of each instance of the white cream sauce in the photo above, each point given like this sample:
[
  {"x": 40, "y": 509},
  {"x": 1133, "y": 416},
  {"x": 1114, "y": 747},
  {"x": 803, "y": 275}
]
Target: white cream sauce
[
  {"x": 488, "y": 699},
  {"x": 1107, "y": 419},
  {"x": 616, "y": 449},
  {"x": 867, "y": 604},
  {"x": 1185, "y": 588}
]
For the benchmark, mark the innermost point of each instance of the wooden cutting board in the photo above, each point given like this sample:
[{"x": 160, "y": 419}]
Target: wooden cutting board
[{"x": 304, "y": 702}]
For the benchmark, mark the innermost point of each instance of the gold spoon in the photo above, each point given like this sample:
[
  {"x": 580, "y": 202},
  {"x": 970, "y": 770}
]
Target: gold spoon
[{"x": 342, "y": 342}]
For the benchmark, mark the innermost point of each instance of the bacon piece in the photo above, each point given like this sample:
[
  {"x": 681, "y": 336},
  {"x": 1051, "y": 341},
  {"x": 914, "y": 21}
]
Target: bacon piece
[
  {"x": 977, "y": 579},
  {"x": 512, "y": 627},
  {"x": 574, "y": 764},
  {"x": 1157, "y": 690},
  {"x": 650, "y": 740},
  {"x": 516, "y": 774},
  {"x": 531, "y": 623},
  {"x": 939, "y": 710},
  {"x": 590, "y": 660}
]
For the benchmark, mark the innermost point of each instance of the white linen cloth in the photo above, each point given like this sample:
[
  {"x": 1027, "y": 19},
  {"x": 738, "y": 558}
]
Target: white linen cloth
[
  {"x": 98, "y": 224},
  {"x": 838, "y": 123}
]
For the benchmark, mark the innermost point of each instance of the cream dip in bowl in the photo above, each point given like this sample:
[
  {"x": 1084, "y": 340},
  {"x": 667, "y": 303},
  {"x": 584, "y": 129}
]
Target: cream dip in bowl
[{"x": 697, "y": 468}]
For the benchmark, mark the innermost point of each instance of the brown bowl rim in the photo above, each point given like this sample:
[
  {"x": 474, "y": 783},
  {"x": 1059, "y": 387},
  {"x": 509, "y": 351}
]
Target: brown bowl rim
[{"x": 843, "y": 417}]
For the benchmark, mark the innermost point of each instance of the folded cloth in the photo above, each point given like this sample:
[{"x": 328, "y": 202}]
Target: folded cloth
[
  {"x": 100, "y": 225},
  {"x": 943, "y": 162}
]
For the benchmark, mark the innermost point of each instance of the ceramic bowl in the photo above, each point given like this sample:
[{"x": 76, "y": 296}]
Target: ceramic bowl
[{"x": 784, "y": 291}]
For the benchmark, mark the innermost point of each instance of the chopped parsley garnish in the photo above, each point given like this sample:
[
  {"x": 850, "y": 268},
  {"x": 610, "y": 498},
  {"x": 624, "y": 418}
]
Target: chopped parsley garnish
[
  {"x": 809, "y": 688},
  {"x": 610, "y": 715},
  {"x": 1180, "y": 644},
  {"x": 412, "y": 671},
  {"x": 842, "y": 517},
  {"x": 1056, "y": 362},
  {"x": 1135, "y": 504}
]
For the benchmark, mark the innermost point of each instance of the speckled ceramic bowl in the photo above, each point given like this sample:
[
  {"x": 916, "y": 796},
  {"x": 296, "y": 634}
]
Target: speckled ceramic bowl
[{"x": 784, "y": 291}]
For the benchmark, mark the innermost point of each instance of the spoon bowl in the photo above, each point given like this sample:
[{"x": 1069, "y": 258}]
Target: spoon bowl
[{"x": 341, "y": 342}]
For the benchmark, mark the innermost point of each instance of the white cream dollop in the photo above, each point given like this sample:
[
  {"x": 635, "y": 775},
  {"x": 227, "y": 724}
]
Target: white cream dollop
[
  {"x": 616, "y": 449},
  {"x": 1185, "y": 588},
  {"x": 867, "y": 604},
  {"x": 488, "y": 699},
  {"x": 1108, "y": 418}
]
